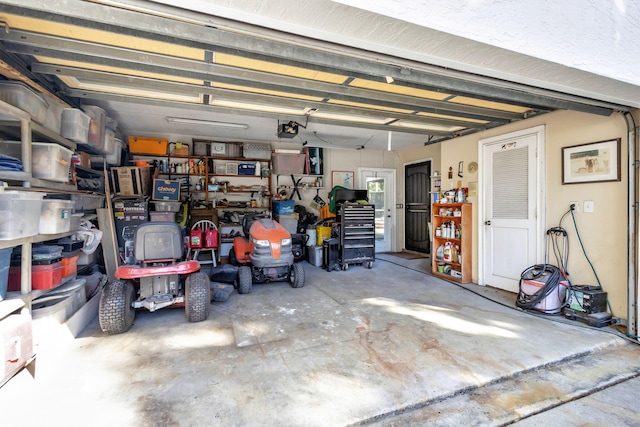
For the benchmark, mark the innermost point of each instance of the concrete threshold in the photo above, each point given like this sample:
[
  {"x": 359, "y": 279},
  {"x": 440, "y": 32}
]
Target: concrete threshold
[{"x": 511, "y": 399}]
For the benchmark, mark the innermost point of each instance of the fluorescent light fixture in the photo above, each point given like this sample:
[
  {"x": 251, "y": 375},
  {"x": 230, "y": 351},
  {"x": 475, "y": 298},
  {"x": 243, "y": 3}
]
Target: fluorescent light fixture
[
  {"x": 427, "y": 127},
  {"x": 207, "y": 123},
  {"x": 342, "y": 117},
  {"x": 256, "y": 107}
]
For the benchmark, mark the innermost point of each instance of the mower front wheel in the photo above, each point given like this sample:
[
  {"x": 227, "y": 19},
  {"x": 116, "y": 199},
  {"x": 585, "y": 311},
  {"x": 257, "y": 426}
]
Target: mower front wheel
[
  {"x": 197, "y": 297},
  {"x": 245, "y": 280},
  {"x": 296, "y": 276},
  {"x": 116, "y": 313}
]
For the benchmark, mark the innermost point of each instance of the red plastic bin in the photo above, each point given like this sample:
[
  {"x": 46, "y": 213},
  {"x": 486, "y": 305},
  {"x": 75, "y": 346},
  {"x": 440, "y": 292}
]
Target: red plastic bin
[
  {"x": 70, "y": 265},
  {"x": 42, "y": 276}
]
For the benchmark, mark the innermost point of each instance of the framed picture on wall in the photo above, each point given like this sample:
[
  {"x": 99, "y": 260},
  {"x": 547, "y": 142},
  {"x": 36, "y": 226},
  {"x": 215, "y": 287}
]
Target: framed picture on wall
[
  {"x": 592, "y": 162},
  {"x": 342, "y": 178}
]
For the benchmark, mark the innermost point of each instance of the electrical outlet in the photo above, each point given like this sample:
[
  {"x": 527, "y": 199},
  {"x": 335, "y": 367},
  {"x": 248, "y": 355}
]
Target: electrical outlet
[
  {"x": 588, "y": 206},
  {"x": 576, "y": 206}
]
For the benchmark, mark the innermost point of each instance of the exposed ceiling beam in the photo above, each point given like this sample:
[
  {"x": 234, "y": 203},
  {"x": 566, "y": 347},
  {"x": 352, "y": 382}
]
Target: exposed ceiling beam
[
  {"x": 26, "y": 43},
  {"x": 240, "y": 112},
  {"x": 102, "y": 78}
]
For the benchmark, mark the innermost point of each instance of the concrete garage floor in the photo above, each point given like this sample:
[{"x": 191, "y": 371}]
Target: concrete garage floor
[{"x": 386, "y": 346}]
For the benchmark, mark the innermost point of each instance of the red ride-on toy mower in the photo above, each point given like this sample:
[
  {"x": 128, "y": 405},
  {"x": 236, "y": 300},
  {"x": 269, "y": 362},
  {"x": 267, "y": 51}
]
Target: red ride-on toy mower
[
  {"x": 264, "y": 254},
  {"x": 160, "y": 280}
]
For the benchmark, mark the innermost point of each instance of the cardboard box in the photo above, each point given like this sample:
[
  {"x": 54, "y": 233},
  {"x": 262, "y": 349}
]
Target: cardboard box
[
  {"x": 131, "y": 181},
  {"x": 178, "y": 149},
  {"x": 85, "y": 159},
  {"x": 164, "y": 189}
]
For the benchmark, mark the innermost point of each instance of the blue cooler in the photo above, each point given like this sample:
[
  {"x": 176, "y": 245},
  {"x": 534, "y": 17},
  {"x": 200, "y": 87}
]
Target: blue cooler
[{"x": 283, "y": 207}]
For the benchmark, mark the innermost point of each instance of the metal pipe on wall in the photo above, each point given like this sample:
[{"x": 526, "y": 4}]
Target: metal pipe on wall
[{"x": 632, "y": 230}]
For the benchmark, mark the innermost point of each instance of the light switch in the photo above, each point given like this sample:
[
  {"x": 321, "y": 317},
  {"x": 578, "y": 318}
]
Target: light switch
[{"x": 588, "y": 206}]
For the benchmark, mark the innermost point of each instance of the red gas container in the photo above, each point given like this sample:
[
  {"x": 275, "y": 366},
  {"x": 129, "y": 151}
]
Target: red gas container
[
  {"x": 195, "y": 238},
  {"x": 211, "y": 238}
]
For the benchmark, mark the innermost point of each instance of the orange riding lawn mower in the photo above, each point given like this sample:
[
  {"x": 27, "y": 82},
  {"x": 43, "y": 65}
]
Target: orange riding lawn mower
[
  {"x": 264, "y": 254},
  {"x": 160, "y": 280}
]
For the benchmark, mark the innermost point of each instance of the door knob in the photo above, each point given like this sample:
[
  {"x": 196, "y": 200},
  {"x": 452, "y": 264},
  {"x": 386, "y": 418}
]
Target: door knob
[{"x": 487, "y": 223}]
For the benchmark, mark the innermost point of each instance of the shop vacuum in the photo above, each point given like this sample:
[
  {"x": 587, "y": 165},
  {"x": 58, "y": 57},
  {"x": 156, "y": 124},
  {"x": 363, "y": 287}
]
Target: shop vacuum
[
  {"x": 547, "y": 289},
  {"x": 543, "y": 287}
]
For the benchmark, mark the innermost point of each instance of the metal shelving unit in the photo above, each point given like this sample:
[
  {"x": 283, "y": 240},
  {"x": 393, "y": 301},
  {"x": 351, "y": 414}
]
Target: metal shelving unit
[
  {"x": 357, "y": 234},
  {"x": 15, "y": 123}
]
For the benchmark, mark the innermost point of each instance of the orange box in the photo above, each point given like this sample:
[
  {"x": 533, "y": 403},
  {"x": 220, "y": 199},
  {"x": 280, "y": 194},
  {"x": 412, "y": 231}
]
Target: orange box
[
  {"x": 70, "y": 265},
  {"x": 325, "y": 213},
  {"x": 145, "y": 145}
]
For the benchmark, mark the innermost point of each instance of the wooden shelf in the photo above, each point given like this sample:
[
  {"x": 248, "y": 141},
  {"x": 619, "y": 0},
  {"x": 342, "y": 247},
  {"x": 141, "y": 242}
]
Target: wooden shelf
[
  {"x": 463, "y": 221},
  {"x": 211, "y": 161}
]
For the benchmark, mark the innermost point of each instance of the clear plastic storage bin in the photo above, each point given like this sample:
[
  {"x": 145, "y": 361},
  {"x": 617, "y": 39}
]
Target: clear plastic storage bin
[
  {"x": 50, "y": 161},
  {"x": 55, "y": 216},
  {"x": 87, "y": 202},
  {"x": 288, "y": 164},
  {"x": 162, "y": 206},
  {"x": 19, "y": 214},
  {"x": 53, "y": 115},
  {"x": 75, "y": 125},
  {"x": 97, "y": 126},
  {"x": 162, "y": 216},
  {"x": 22, "y": 96},
  {"x": 114, "y": 157}
]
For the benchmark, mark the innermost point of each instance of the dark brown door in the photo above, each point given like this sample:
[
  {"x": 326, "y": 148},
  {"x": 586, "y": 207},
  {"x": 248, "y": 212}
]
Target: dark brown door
[{"x": 418, "y": 207}]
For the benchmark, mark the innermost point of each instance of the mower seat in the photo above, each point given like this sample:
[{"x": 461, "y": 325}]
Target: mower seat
[
  {"x": 158, "y": 241},
  {"x": 248, "y": 221}
]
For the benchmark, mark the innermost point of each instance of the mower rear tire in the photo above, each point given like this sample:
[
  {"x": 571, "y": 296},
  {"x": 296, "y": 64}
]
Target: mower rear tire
[
  {"x": 296, "y": 276},
  {"x": 197, "y": 297},
  {"x": 116, "y": 313},
  {"x": 245, "y": 280}
]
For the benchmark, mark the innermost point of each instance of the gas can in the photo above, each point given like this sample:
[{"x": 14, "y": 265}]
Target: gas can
[
  {"x": 195, "y": 238},
  {"x": 448, "y": 252},
  {"x": 211, "y": 238}
]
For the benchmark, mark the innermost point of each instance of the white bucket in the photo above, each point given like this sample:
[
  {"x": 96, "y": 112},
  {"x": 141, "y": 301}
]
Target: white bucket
[{"x": 311, "y": 232}]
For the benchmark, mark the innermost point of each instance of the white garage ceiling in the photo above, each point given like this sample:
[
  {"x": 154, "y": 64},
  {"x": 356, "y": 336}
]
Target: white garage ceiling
[{"x": 348, "y": 77}]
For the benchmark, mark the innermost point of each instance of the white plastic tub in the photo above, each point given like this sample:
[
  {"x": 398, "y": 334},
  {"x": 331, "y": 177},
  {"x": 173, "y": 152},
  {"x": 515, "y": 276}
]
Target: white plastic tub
[
  {"x": 55, "y": 216},
  {"x": 50, "y": 161},
  {"x": 75, "y": 125},
  {"x": 19, "y": 214}
]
